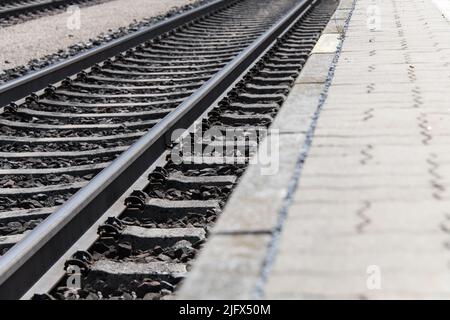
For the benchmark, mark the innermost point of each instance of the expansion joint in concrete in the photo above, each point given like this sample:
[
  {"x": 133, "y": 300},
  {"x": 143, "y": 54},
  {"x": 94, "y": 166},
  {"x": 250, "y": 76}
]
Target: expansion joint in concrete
[{"x": 259, "y": 292}]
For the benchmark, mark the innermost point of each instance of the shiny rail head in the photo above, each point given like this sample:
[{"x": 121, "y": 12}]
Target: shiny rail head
[
  {"x": 23, "y": 264},
  {"x": 33, "y": 82}
]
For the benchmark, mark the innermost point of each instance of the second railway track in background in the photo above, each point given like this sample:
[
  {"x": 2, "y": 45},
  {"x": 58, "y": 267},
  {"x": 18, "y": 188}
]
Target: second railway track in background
[
  {"x": 16, "y": 11},
  {"x": 54, "y": 142}
]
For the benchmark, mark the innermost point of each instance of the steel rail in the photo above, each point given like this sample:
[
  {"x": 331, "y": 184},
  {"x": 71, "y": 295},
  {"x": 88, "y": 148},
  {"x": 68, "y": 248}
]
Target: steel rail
[
  {"x": 23, "y": 86},
  {"x": 25, "y": 262},
  {"x": 32, "y": 7}
]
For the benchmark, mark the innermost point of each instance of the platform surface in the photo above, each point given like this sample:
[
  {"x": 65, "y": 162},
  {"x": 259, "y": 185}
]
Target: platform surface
[{"x": 360, "y": 206}]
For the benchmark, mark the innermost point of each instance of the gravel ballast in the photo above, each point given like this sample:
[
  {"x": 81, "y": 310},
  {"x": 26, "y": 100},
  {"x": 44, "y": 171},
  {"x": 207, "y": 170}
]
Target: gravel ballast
[{"x": 35, "y": 44}]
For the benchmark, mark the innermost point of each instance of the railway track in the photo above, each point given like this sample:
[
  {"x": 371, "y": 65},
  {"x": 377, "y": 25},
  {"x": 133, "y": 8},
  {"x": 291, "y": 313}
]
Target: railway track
[
  {"x": 55, "y": 141},
  {"x": 18, "y": 11}
]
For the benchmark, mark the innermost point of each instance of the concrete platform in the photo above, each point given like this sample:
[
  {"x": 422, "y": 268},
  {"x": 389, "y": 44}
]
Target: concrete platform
[{"x": 359, "y": 207}]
